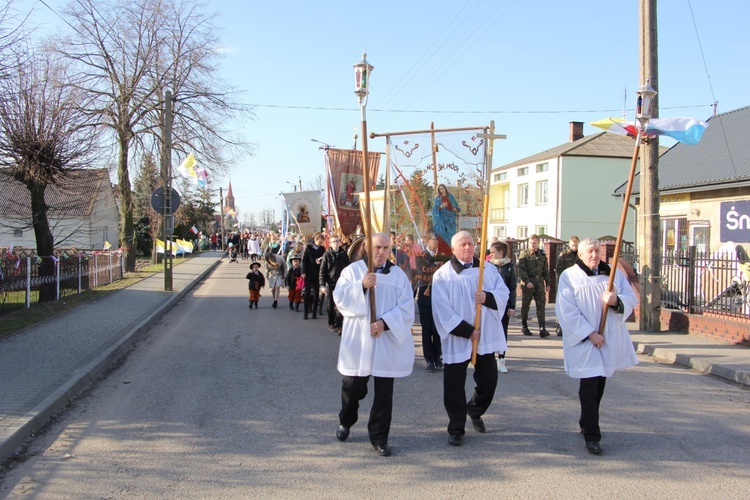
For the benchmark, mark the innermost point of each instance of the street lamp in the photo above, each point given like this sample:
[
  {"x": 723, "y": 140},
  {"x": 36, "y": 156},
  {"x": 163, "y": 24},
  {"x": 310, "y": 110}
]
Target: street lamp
[
  {"x": 293, "y": 185},
  {"x": 362, "y": 71}
]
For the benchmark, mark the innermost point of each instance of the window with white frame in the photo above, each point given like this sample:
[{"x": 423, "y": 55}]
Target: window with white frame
[
  {"x": 542, "y": 192},
  {"x": 523, "y": 171},
  {"x": 542, "y": 167},
  {"x": 501, "y": 232},
  {"x": 541, "y": 230},
  {"x": 501, "y": 176},
  {"x": 522, "y": 232},
  {"x": 523, "y": 195}
]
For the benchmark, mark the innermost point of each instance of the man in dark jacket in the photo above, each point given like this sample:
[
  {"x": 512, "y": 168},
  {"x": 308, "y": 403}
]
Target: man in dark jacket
[
  {"x": 334, "y": 261},
  {"x": 311, "y": 259},
  {"x": 566, "y": 259}
]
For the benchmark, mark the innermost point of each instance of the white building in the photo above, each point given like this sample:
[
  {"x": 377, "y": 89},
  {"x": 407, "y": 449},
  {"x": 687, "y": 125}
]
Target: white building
[
  {"x": 83, "y": 211},
  {"x": 564, "y": 191}
]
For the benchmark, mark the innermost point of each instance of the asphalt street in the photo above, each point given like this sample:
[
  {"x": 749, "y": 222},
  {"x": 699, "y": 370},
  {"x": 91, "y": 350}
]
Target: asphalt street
[{"x": 217, "y": 401}]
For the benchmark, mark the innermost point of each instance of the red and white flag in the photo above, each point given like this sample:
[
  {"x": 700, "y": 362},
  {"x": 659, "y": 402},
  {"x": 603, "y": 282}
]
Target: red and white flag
[{"x": 194, "y": 230}]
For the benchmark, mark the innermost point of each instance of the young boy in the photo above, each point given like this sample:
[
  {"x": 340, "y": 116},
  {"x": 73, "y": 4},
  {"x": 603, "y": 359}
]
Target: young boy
[
  {"x": 293, "y": 278},
  {"x": 256, "y": 281}
]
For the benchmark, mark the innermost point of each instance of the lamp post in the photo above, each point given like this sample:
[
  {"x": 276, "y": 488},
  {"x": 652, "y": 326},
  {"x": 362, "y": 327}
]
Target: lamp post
[
  {"x": 643, "y": 106},
  {"x": 362, "y": 71}
]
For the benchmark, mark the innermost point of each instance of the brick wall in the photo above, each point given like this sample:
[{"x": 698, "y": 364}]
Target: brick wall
[{"x": 733, "y": 330}]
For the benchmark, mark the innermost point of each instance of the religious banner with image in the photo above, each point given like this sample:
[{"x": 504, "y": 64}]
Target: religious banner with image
[
  {"x": 346, "y": 184},
  {"x": 304, "y": 210}
]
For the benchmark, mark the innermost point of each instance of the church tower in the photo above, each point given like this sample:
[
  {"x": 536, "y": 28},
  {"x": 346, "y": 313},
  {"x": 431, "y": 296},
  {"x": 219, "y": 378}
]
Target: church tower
[{"x": 229, "y": 199}]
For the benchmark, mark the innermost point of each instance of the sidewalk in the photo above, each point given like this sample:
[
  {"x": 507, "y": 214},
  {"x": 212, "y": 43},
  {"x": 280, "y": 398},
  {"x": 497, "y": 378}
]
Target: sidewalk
[{"x": 48, "y": 365}]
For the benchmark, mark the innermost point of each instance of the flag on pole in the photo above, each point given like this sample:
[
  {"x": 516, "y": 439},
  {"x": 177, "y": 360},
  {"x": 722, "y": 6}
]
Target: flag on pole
[
  {"x": 201, "y": 177},
  {"x": 682, "y": 129},
  {"x": 187, "y": 169},
  {"x": 194, "y": 229}
]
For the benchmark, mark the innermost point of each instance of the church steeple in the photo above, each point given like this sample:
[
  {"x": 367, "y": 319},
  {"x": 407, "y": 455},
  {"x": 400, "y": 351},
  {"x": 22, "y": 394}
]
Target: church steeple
[{"x": 229, "y": 199}]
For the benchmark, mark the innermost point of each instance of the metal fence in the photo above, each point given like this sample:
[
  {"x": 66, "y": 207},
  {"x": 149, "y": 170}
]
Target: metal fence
[
  {"x": 22, "y": 277},
  {"x": 696, "y": 282}
]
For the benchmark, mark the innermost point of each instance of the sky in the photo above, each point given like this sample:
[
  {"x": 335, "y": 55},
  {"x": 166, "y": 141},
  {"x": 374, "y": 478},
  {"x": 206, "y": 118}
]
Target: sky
[{"x": 532, "y": 66}]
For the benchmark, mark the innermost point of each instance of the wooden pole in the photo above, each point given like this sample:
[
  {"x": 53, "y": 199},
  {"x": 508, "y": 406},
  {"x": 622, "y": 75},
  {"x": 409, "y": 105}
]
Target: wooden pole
[
  {"x": 368, "y": 217},
  {"x": 649, "y": 223},
  {"x": 387, "y": 193},
  {"x": 373, "y": 135},
  {"x": 621, "y": 230},
  {"x": 434, "y": 158},
  {"x": 491, "y": 136}
]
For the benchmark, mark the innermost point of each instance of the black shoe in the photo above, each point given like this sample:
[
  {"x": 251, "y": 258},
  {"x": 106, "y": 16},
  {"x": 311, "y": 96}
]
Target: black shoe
[
  {"x": 250, "y": 305},
  {"x": 382, "y": 449},
  {"x": 342, "y": 433},
  {"x": 275, "y": 303},
  {"x": 478, "y": 424},
  {"x": 331, "y": 328},
  {"x": 594, "y": 447},
  {"x": 525, "y": 330},
  {"x": 439, "y": 364},
  {"x": 430, "y": 366},
  {"x": 455, "y": 439},
  {"x": 256, "y": 305},
  {"x": 291, "y": 306},
  {"x": 305, "y": 316},
  {"x": 296, "y": 306},
  {"x": 543, "y": 333},
  {"x": 315, "y": 315},
  {"x": 558, "y": 331}
]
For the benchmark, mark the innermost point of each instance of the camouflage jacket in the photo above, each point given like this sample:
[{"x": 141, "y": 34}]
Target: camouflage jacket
[
  {"x": 564, "y": 261},
  {"x": 533, "y": 267}
]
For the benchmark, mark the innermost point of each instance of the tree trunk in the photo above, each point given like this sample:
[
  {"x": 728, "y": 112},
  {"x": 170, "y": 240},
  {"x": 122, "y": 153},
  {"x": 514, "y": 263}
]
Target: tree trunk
[
  {"x": 45, "y": 243},
  {"x": 127, "y": 228}
]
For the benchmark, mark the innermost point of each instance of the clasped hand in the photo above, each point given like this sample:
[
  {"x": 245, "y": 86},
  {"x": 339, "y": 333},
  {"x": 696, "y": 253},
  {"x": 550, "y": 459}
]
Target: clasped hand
[
  {"x": 369, "y": 280},
  {"x": 377, "y": 328}
]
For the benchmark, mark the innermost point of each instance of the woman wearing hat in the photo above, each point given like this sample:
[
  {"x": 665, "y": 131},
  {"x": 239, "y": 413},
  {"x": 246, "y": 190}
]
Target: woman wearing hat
[{"x": 256, "y": 281}]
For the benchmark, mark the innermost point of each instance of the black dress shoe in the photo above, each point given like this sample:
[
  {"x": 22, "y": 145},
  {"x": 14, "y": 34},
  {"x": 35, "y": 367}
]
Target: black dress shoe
[
  {"x": 543, "y": 333},
  {"x": 430, "y": 366},
  {"x": 594, "y": 447},
  {"x": 455, "y": 439},
  {"x": 382, "y": 449},
  {"x": 439, "y": 364},
  {"x": 478, "y": 424},
  {"x": 525, "y": 330},
  {"x": 342, "y": 433}
]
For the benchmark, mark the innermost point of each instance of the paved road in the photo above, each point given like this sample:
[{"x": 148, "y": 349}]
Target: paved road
[{"x": 217, "y": 401}]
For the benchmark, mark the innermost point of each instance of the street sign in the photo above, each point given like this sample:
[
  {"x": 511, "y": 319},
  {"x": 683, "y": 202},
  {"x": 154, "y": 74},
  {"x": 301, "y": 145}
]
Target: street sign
[{"x": 158, "y": 201}]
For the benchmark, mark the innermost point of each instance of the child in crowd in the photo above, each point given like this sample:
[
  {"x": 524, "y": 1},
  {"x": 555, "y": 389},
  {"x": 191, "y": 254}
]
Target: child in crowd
[
  {"x": 256, "y": 281},
  {"x": 295, "y": 284}
]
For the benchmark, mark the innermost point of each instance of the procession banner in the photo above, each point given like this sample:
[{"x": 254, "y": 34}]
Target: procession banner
[
  {"x": 443, "y": 199},
  {"x": 377, "y": 209},
  {"x": 346, "y": 180},
  {"x": 304, "y": 209}
]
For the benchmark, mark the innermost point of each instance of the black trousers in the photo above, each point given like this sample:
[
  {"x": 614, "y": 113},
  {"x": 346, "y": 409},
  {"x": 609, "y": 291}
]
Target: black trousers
[
  {"x": 454, "y": 391},
  {"x": 590, "y": 394},
  {"x": 311, "y": 294},
  {"x": 354, "y": 390},
  {"x": 334, "y": 316},
  {"x": 505, "y": 321},
  {"x": 432, "y": 347}
]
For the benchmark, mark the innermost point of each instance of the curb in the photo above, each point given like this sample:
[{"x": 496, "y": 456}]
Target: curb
[
  {"x": 708, "y": 365},
  {"x": 14, "y": 437}
]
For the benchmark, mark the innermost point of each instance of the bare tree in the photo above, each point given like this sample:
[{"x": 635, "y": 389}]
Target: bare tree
[
  {"x": 43, "y": 135},
  {"x": 317, "y": 184},
  {"x": 131, "y": 52}
]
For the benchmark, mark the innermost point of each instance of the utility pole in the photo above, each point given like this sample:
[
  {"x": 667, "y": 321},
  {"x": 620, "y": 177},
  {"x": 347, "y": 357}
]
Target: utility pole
[
  {"x": 168, "y": 213},
  {"x": 649, "y": 223}
]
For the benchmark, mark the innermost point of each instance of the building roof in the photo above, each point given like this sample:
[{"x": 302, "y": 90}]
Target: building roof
[
  {"x": 73, "y": 195},
  {"x": 720, "y": 159},
  {"x": 599, "y": 145}
]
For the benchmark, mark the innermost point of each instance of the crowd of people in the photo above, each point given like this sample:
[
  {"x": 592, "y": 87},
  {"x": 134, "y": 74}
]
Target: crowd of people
[{"x": 374, "y": 311}]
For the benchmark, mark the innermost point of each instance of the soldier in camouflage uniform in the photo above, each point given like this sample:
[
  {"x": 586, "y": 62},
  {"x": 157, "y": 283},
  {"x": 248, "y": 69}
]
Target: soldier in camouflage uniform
[
  {"x": 565, "y": 260},
  {"x": 533, "y": 270}
]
